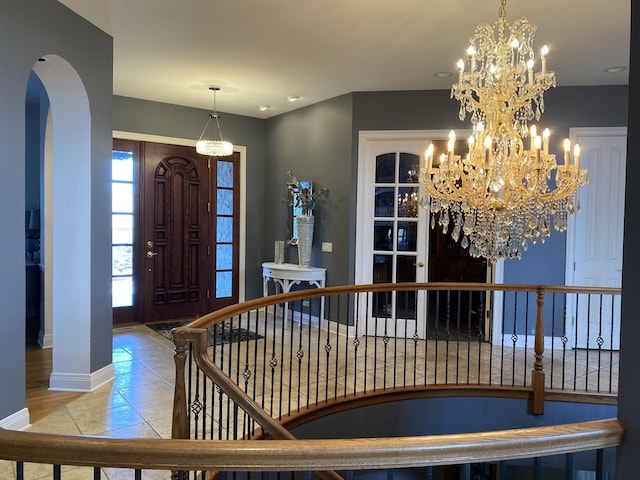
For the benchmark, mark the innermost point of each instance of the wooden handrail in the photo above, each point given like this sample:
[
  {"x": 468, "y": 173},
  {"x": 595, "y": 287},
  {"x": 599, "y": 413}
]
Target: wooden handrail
[
  {"x": 262, "y": 302},
  {"x": 307, "y": 455},
  {"x": 274, "y": 428}
]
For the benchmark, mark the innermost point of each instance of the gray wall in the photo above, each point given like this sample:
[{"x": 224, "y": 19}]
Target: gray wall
[
  {"x": 320, "y": 142},
  {"x": 314, "y": 142},
  {"x": 142, "y": 116},
  {"x": 30, "y": 29}
]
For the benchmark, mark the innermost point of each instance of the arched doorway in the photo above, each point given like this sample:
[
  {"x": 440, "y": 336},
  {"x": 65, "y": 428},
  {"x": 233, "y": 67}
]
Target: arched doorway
[{"x": 66, "y": 232}]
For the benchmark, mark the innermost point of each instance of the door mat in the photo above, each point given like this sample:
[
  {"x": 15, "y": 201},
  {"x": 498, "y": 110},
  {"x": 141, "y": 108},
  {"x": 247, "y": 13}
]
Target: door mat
[{"x": 223, "y": 333}]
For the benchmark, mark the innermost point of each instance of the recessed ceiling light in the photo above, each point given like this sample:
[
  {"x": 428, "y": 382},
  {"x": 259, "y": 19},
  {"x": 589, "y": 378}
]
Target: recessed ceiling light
[
  {"x": 262, "y": 108},
  {"x": 293, "y": 98},
  {"x": 442, "y": 74},
  {"x": 615, "y": 69}
]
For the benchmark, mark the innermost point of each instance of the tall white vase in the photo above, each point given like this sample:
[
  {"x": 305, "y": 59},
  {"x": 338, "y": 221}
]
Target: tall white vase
[{"x": 304, "y": 224}]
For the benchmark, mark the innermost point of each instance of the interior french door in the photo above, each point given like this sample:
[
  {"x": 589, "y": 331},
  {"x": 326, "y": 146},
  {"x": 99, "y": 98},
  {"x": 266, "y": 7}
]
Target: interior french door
[
  {"x": 185, "y": 251},
  {"x": 393, "y": 235}
]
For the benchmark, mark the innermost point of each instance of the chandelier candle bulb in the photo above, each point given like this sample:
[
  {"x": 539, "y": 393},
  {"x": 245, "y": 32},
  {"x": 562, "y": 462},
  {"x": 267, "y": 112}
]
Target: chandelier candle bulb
[
  {"x": 545, "y": 140},
  {"x": 567, "y": 150},
  {"x": 452, "y": 141},
  {"x": 471, "y": 54},
  {"x": 538, "y": 144},
  {"x": 460, "y": 65},
  {"x": 544, "y": 51},
  {"x": 530, "y": 70},
  {"x": 487, "y": 150},
  {"x": 429, "y": 155},
  {"x": 515, "y": 44},
  {"x": 532, "y": 136},
  {"x": 576, "y": 156}
]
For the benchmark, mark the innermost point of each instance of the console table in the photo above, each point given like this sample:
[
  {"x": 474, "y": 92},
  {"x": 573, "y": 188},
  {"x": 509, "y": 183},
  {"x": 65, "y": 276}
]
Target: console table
[{"x": 286, "y": 275}]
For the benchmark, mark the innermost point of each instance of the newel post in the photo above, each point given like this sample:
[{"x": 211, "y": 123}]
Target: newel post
[
  {"x": 537, "y": 375},
  {"x": 180, "y": 420}
]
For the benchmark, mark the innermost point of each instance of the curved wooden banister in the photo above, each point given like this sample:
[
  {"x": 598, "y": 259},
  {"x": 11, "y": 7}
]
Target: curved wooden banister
[
  {"x": 274, "y": 428},
  {"x": 262, "y": 302},
  {"x": 306, "y": 455}
]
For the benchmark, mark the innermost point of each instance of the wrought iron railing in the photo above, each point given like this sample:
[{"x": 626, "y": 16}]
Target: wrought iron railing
[
  {"x": 245, "y": 373},
  {"x": 340, "y": 347}
]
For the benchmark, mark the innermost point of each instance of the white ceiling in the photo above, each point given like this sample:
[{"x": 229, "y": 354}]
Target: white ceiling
[{"x": 260, "y": 51}]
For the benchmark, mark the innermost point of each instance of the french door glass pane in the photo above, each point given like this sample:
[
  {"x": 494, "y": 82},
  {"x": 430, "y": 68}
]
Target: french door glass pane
[
  {"x": 382, "y": 268},
  {"x": 408, "y": 202},
  {"x": 386, "y": 168},
  {"x": 383, "y": 235},
  {"x": 385, "y": 199},
  {"x": 409, "y": 168},
  {"x": 406, "y": 270},
  {"x": 407, "y": 237}
]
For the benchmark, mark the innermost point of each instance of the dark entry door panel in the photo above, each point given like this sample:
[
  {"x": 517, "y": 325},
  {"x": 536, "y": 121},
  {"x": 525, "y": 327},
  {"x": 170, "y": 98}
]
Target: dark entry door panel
[{"x": 175, "y": 233}]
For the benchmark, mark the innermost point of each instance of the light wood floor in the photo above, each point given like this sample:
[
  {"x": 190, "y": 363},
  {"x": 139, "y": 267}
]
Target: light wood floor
[{"x": 40, "y": 400}]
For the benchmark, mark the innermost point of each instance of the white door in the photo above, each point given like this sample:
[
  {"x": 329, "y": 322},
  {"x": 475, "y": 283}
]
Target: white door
[
  {"x": 392, "y": 230},
  {"x": 594, "y": 238}
]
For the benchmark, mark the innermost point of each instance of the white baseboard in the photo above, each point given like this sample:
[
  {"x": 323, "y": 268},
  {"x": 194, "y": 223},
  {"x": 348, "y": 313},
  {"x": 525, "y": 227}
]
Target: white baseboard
[
  {"x": 79, "y": 382},
  {"x": 45, "y": 340},
  {"x": 16, "y": 421}
]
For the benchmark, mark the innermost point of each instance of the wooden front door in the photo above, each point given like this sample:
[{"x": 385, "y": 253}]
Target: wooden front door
[
  {"x": 175, "y": 233},
  {"x": 190, "y": 232}
]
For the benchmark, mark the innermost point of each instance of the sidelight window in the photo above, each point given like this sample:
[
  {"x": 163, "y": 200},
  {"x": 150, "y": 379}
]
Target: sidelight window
[{"x": 122, "y": 228}]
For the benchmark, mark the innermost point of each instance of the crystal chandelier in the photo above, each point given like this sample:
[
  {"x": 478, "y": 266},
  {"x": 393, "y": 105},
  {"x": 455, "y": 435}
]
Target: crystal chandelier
[
  {"x": 501, "y": 196},
  {"x": 213, "y": 148}
]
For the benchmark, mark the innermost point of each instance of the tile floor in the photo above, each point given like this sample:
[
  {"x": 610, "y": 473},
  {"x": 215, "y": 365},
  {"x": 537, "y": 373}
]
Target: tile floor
[{"x": 137, "y": 404}]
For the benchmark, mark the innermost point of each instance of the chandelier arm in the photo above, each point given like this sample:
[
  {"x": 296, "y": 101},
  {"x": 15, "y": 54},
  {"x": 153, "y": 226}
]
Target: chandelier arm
[{"x": 566, "y": 189}]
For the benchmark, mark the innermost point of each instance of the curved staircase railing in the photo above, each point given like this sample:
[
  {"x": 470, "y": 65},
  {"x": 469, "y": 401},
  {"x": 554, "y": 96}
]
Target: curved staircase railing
[
  {"x": 340, "y": 347},
  {"x": 350, "y": 455},
  {"x": 245, "y": 372}
]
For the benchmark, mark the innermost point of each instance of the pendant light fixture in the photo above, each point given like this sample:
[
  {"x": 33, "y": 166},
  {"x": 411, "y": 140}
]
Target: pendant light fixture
[{"x": 210, "y": 147}]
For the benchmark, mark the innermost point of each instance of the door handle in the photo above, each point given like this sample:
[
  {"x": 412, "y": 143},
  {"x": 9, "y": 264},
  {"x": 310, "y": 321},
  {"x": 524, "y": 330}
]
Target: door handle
[
  {"x": 420, "y": 264},
  {"x": 151, "y": 254}
]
